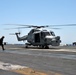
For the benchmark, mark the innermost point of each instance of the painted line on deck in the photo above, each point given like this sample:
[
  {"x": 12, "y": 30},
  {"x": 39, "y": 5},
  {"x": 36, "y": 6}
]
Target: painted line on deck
[{"x": 9, "y": 66}]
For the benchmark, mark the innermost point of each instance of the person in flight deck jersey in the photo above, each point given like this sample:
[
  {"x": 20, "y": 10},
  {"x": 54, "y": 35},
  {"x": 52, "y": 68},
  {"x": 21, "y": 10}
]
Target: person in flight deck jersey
[{"x": 1, "y": 42}]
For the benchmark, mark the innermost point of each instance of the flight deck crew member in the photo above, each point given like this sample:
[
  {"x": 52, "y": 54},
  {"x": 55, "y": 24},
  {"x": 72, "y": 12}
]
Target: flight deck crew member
[{"x": 1, "y": 42}]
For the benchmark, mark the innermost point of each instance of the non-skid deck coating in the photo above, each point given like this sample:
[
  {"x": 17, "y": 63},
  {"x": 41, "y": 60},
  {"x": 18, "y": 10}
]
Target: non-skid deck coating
[
  {"x": 48, "y": 54},
  {"x": 54, "y": 61}
]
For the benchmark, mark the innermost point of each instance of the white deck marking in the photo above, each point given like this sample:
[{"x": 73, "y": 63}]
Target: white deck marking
[{"x": 9, "y": 66}]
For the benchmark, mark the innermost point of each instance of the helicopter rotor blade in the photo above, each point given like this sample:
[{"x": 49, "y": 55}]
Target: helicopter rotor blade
[
  {"x": 42, "y": 25},
  {"x": 16, "y": 28},
  {"x": 16, "y": 24},
  {"x": 55, "y": 28},
  {"x": 12, "y": 34},
  {"x": 26, "y": 25},
  {"x": 62, "y": 25},
  {"x": 37, "y": 26}
]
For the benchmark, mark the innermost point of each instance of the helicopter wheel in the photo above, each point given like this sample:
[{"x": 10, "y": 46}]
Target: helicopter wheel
[
  {"x": 26, "y": 46},
  {"x": 46, "y": 47},
  {"x": 42, "y": 47}
]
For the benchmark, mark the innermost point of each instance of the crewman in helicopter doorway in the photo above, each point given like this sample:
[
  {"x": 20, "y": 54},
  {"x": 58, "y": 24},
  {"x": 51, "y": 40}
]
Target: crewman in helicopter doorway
[{"x": 1, "y": 42}]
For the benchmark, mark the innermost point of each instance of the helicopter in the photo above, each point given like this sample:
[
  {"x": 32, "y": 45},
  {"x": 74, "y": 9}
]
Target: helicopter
[{"x": 40, "y": 37}]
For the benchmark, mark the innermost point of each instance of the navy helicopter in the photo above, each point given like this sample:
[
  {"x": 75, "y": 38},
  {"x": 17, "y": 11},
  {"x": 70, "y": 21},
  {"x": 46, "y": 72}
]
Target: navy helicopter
[{"x": 38, "y": 36}]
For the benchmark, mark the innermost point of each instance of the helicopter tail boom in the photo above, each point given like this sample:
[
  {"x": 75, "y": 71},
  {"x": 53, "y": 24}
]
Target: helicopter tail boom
[{"x": 23, "y": 38}]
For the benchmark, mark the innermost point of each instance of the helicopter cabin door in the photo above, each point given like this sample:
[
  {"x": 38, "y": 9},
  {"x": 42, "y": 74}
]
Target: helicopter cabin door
[{"x": 37, "y": 37}]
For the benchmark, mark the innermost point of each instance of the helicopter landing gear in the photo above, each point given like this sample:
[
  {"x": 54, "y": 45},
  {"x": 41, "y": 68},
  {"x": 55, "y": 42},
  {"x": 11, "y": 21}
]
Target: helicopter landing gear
[
  {"x": 44, "y": 47},
  {"x": 26, "y": 46}
]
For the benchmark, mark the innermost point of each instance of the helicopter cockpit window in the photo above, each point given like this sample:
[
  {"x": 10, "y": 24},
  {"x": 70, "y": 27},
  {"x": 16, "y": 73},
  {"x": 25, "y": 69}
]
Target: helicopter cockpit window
[
  {"x": 52, "y": 33},
  {"x": 47, "y": 33}
]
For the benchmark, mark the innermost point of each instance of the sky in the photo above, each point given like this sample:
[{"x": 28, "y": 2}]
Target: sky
[{"x": 38, "y": 12}]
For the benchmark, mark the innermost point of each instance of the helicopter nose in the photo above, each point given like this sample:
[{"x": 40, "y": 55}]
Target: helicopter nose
[{"x": 58, "y": 38}]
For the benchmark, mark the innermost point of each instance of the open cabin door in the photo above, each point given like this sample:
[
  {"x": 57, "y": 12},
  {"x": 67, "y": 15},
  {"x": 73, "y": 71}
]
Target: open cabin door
[{"x": 37, "y": 37}]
